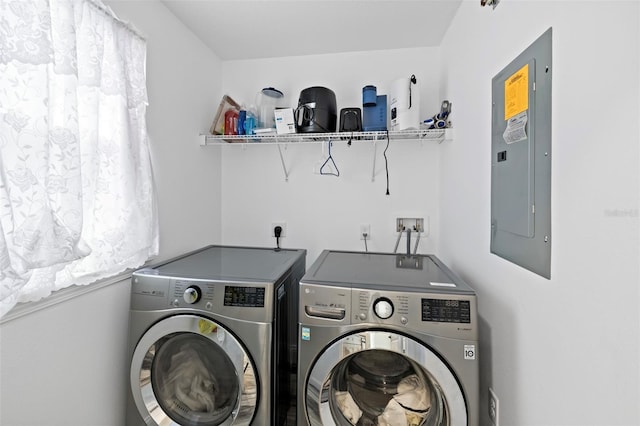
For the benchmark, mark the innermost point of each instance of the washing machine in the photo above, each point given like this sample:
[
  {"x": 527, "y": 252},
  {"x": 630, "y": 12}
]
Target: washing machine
[
  {"x": 213, "y": 338},
  {"x": 386, "y": 339}
]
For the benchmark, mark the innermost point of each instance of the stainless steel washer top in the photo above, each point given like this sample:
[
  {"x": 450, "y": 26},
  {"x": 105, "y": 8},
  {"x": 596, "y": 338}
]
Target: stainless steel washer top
[{"x": 385, "y": 271}]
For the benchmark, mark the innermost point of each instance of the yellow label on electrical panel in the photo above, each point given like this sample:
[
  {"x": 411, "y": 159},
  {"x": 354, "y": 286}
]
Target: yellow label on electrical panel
[{"x": 516, "y": 93}]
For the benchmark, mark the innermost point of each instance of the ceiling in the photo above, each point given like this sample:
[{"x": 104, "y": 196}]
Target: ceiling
[{"x": 250, "y": 29}]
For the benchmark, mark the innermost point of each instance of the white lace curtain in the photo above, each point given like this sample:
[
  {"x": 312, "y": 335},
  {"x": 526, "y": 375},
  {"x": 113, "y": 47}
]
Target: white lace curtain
[{"x": 76, "y": 192}]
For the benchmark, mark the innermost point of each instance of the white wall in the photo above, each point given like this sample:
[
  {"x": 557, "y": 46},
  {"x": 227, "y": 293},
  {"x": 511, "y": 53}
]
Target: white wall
[
  {"x": 66, "y": 365},
  {"x": 563, "y": 351},
  {"x": 325, "y": 211}
]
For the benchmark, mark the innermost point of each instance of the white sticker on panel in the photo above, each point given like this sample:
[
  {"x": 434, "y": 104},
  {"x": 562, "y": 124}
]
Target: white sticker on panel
[
  {"x": 470, "y": 352},
  {"x": 516, "y": 128}
]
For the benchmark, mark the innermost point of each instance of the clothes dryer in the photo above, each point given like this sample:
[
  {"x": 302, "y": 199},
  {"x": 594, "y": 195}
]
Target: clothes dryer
[
  {"x": 386, "y": 339},
  {"x": 211, "y": 341}
]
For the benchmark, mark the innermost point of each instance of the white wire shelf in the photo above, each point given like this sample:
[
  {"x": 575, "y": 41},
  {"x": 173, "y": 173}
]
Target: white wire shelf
[{"x": 436, "y": 135}]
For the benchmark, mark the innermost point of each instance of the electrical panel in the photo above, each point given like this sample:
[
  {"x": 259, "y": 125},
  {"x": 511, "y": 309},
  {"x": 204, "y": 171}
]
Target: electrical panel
[{"x": 521, "y": 159}]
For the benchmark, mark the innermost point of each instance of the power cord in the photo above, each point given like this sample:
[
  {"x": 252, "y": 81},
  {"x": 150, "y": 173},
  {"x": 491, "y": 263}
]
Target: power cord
[
  {"x": 364, "y": 236},
  {"x": 386, "y": 161},
  {"x": 277, "y": 231}
]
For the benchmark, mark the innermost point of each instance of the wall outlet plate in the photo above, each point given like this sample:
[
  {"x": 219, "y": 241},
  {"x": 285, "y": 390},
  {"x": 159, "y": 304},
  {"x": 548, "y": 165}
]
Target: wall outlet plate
[
  {"x": 283, "y": 225},
  {"x": 365, "y": 229}
]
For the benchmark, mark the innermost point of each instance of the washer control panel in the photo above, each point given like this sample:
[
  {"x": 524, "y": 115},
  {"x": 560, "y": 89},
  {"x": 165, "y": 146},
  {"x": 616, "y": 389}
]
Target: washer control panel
[
  {"x": 439, "y": 314},
  {"x": 446, "y": 310},
  {"x": 442, "y": 314},
  {"x": 248, "y": 297},
  {"x": 382, "y": 307},
  {"x": 249, "y": 301}
]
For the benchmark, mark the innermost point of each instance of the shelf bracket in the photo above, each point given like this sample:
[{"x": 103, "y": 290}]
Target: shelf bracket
[{"x": 284, "y": 166}]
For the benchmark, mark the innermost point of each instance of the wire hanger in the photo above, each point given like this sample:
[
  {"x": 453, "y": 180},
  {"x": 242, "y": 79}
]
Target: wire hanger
[{"x": 329, "y": 158}]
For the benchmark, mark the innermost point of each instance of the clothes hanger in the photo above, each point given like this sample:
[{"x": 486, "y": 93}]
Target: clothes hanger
[{"x": 330, "y": 158}]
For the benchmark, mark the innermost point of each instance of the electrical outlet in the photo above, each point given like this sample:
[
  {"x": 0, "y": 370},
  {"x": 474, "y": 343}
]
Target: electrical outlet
[
  {"x": 494, "y": 408},
  {"x": 365, "y": 229},
  {"x": 283, "y": 225}
]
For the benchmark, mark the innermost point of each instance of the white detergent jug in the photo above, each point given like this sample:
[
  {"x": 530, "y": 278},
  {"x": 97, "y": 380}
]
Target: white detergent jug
[{"x": 404, "y": 106}]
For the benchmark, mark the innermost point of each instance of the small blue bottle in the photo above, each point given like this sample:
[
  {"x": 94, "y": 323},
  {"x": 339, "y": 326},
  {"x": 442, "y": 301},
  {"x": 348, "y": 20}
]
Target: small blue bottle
[{"x": 242, "y": 116}]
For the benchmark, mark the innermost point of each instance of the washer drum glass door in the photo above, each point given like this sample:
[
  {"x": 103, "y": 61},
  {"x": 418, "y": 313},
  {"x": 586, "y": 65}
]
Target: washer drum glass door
[
  {"x": 189, "y": 370},
  {"x": 382, "y": 378}
]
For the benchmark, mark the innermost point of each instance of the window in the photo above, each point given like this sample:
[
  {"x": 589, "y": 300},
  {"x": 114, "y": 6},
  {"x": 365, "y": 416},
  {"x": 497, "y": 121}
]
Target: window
[{"x": 77, "y": 200}]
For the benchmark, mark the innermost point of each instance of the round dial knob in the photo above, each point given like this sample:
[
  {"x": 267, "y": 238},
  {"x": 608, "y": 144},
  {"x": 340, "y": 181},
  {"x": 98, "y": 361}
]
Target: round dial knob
[
  {"x": 383, "y": 308},
  {"x": 192, "y": 294}
]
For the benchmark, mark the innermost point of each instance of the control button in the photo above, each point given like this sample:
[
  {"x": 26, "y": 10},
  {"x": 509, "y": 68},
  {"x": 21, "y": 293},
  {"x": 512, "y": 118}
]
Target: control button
[
  {"x": 175, "y": 303},
  {"x": 362, "y": 316},
  {"x": 404, "y": 320},
  {"x": 383, "y": 308},
  {"x": 208, "y": 305},
  {"x": 192, "y": 294}
]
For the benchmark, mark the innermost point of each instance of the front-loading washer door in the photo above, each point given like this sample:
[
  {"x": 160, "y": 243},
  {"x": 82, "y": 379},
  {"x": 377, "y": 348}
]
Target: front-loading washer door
[
  {"x": 382, "y": 378},
  {"x": 190, "y": 370}
]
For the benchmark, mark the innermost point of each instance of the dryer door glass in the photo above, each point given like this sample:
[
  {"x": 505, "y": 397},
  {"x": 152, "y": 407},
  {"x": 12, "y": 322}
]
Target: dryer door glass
[
  {"x": 193, "y": 380},
  {"x": 382, "y": 378},
  {"x": 188, "y": 370}
]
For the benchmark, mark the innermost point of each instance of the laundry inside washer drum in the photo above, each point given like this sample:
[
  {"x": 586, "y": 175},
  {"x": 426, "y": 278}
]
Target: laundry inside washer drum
[
  {"x": 379, "y": 387},
  {"x": 193, "y": 380}
]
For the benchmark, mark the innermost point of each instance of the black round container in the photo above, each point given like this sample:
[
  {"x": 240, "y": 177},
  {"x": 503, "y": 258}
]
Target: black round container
[{"x": 317, "y": 111}]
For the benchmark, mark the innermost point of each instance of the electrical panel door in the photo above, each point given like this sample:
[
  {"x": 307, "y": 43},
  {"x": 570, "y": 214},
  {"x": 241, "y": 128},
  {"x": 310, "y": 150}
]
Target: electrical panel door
[{"x": 521, "y": 159}]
